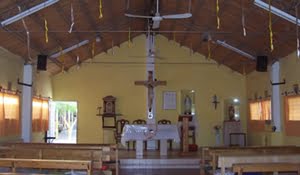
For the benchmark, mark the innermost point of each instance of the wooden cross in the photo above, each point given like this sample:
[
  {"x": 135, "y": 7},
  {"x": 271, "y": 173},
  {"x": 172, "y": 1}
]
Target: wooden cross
[
  {"x": 215, "y": 101},
  {"x": 151, "y": 83}
]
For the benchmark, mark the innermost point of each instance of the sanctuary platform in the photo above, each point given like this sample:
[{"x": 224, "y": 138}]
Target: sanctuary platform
[{"x": 152, "y": 160}]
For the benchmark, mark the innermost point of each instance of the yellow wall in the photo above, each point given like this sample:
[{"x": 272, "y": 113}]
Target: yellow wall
[
  {"x": 290, "y": 71},
  {"x": 11, "y": 68},
  {"x": 205, "y": 79},
  {"x": 259, "y": 82},
  {"x": 42, "y": 86},
  {"x": 92, "y": 82}
]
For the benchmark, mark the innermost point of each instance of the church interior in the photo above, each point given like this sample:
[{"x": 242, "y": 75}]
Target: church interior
[{"x": 159, "y": 86}]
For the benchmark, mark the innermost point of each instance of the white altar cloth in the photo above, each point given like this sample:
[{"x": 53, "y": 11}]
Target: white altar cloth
[{"x": 140, "y": 133}]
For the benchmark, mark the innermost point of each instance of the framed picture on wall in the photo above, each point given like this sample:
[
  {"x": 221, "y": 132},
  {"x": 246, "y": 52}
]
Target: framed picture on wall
[{"x": 169, "y": 100}]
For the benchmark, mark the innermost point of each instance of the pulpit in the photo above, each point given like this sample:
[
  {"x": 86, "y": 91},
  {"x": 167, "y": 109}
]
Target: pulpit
[{"x": 185, "y": 119}]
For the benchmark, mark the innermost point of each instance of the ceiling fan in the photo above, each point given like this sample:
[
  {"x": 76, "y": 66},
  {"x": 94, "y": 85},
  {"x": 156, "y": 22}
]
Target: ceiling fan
[{"x": 157, "y": 18}]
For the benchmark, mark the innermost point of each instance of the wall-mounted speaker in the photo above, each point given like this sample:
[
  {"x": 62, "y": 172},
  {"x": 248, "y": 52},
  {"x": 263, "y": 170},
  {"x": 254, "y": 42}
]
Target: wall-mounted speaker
[
  {"x": 42, "y": 62},
  {"x": 261, "y": 63}
]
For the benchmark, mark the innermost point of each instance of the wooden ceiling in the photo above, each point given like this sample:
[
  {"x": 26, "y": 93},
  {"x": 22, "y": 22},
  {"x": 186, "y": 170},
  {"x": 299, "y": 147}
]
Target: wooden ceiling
[{"x": 114, "y": 26}]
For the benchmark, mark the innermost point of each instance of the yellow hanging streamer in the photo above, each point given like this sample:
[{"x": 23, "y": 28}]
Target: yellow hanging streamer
[
  {"x": 61, "y": 55},
  {"x": 270, "y": 27},
  {"x": 93, "y": 49},
  {"x": 46, "y": 31},
  {"x": 129, "y": 38},
  {"x": 209, "y": 50},
  {"x": 217, "y": 11},
  {"x": 100, "y": 9}
]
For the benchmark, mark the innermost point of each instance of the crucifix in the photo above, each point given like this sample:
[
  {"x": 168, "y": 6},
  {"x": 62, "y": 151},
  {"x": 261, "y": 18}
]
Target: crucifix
[
  {"x": 215, "y": 101},
  {"x": 150, "y": 84}
]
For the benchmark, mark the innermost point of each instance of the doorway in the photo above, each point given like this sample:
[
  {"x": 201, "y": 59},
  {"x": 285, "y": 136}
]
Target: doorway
[{"x": 63, "y": 121}]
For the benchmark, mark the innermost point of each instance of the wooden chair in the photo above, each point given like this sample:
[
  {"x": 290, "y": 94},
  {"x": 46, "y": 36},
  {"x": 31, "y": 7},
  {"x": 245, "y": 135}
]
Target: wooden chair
[
  {"x": 164, "y": 122},
  {"x": 119, "y": 128},
  {"x": 140, "y": 122}
]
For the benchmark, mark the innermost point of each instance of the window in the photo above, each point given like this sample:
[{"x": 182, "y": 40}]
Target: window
[
  {"x": 292, "y": 115},
  {"x": 293, "y": 104},
  {"x": 40, "y": 115},
  {"x": 259, "y": 112},
  {"x": 9, "y": 114}
]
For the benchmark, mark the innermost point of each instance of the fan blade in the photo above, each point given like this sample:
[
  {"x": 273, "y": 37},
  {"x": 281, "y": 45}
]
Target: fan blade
[
  {"x": 137, "y": 16},
  {"x": 156, "y": 24},
  {"x": 178, "y": 16}
]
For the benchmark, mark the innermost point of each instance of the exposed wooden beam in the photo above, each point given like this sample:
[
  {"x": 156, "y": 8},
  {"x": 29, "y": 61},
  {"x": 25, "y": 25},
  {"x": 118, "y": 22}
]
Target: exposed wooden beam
[
  {"x": 241, "y": 46},
  {"x": 61, "y": 12},
  {"x": 198, "y": 7},
  {"x": 173, "y": 26}
]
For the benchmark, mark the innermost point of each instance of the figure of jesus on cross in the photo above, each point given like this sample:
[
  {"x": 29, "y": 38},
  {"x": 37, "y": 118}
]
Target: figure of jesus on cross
[{"x": 150, "y": 84}]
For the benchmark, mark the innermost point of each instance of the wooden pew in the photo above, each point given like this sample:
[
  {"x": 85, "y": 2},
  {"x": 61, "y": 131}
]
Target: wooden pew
[
  {"x": 228, "y": 160},
  {"x": 14, "y": 163},
  {"x": 214, "y": 152},
  {"x": 266, "y": 167},
  {"x": 97, "y": 153}
]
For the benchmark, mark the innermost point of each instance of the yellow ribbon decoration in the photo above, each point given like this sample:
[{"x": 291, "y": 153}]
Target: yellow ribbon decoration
[
  {"x": 46, "y": 31},
  {"x": 100, "y": 9},
  {"x": 270, "y": 27},
  {"x": 93, "y": 49},
  {"x": 217, "y": 11},
  {"x": 209, "y": 50},
  {"x": 129, "y": 38}
]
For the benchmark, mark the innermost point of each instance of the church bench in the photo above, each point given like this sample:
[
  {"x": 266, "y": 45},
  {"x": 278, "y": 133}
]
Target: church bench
[
  {"x": 229, "y": 159},
  {"x": 211, "y": 153},
  {"x": 97, "y": 153},
  {"x": 15, "y": 163},
  {"x": 266, "y": 167}
]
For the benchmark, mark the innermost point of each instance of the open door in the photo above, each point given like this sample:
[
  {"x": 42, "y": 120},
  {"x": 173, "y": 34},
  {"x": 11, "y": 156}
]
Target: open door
[{"x": 63, "y": 121}]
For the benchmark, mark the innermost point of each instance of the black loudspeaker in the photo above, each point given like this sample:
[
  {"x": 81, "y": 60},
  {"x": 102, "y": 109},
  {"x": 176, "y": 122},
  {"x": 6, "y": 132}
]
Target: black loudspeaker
[
  {"x": 261, "y": 63},
  {"x": 42, "y": 62}
]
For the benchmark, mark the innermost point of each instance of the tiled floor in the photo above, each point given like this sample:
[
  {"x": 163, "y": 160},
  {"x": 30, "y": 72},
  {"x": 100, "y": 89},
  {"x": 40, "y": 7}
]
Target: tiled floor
[
  {"x": 159, "y": 172},
  {"x": 176, "y": 163},
  {"x": 150, "y": 154}
]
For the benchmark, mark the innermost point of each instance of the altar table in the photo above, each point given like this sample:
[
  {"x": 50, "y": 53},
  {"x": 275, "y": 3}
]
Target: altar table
[{"x": 140, "y": 133}]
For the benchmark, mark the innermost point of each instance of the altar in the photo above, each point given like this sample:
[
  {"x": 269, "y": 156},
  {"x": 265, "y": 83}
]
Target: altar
[{"x": 140, "y": 133}]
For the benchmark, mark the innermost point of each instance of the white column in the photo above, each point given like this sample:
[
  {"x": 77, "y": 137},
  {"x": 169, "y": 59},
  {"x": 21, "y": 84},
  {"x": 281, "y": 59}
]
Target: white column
[
  {"x": 27, "y": 103},
  {"x": 139, "y": 148},
  {"x": 151, "y": 144},
  {"x": 163, "y": 147},
  {"x": 151, "y": 67},
  {"x": 275, "y": 101}
]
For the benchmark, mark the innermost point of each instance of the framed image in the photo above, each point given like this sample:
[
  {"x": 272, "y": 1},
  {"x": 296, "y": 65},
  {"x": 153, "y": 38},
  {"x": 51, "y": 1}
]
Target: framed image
[{"x": 169, "y": 100}]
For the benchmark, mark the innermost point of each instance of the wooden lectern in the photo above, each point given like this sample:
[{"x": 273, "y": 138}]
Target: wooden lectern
[{"x": 185, "y": 119}]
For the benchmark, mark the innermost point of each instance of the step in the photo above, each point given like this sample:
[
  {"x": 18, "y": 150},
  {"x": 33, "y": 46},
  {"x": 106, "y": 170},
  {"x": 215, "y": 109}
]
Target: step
[{"x": 159, "y": 163}]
